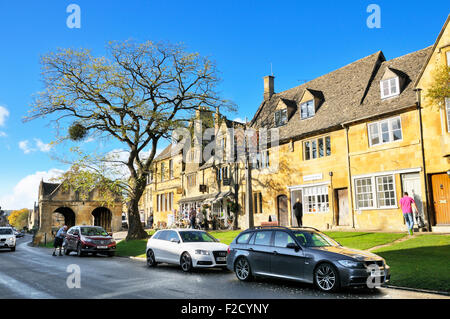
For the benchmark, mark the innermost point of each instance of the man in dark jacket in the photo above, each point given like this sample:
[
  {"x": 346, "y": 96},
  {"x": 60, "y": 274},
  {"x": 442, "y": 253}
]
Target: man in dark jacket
[{"x": 298, "y": 212}]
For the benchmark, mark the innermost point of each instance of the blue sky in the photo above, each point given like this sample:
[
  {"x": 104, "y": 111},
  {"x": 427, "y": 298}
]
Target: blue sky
[{"x": 302, "y": 40}]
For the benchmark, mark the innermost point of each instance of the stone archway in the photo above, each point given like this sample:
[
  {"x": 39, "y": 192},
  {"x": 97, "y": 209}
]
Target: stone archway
[
  {"x": 102, "y": 217},
  {"x": 64, "y": 216}
]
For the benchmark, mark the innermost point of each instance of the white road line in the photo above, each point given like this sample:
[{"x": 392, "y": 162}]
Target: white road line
[{"x": 22, "y": 289}]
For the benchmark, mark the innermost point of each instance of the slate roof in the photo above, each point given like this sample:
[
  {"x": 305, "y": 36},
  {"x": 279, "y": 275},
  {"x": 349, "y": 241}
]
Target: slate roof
[{"x": 347, "y": 94}]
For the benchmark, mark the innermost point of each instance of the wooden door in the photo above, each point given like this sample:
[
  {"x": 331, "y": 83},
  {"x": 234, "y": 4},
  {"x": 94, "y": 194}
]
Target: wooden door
[
  {"x": 283, "y": 214},
  {"x": 343, "y": 213},
  {"x": 441, "y": 198}
]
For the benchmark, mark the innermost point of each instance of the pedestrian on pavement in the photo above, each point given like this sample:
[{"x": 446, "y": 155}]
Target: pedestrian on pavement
[
  {"x": 407, "y": 203},
  {"x": 59, "y": 238},
  {"x": 151, "y": 221},
  {"x": 298, "y": 212},
  {"x": 192, "y": 217}
]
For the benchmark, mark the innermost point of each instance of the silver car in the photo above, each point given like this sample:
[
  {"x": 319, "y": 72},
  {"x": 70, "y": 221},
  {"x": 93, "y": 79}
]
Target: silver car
[
  {"x": 306, "y": 255},
  {"x": 188, "y": 248},
  {"x": 7, "y": 238}
]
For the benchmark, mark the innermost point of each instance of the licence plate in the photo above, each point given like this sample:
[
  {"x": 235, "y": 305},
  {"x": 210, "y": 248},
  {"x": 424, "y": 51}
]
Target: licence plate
[
  {"x": 221, "y": 258},
  {"x": 102, "y": 247},
  {"x": 377, "y": 273}
]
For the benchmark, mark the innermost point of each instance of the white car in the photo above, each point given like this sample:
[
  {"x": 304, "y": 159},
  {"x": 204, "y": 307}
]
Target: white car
[
  {"x": 189, "y": 248},
  {"x": 7, "y": 238}
]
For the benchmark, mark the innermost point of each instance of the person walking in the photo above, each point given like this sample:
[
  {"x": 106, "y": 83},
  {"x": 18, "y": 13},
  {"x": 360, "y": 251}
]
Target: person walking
[
  {"x": 150, "y": 221},
  {"x": 59, "y": 238},
  {"x": 298, "y": 212},
  {"x": 407, "y": 203},
  {"x": 192, "y": 217}
]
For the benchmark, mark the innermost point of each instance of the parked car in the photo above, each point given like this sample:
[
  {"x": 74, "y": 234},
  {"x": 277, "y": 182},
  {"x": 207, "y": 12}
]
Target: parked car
[
  {"x": 302, "y": 254},
  {"x": 189, "y": 248},
  {"x": 89, "y": 239},
  {"x": 19, "y": 234},
  {"x": 7, "y": 238}
]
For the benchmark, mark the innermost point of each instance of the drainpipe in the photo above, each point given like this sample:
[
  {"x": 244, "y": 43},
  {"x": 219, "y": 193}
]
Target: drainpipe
[
  {"x": 350, "y": 188},
  {"x": 425, "y": 179}
]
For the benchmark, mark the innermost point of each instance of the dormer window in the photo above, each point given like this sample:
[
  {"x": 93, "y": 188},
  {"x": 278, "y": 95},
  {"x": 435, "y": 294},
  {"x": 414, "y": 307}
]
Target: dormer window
[
  {"x": 390, "y": 87},
  {"x": 307, "y": 109},
  {"x": 280, "y": 117}
]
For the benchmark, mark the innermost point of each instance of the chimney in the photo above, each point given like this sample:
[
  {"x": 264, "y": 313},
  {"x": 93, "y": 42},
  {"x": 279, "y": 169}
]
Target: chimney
[{"x": 268, "y": 87}]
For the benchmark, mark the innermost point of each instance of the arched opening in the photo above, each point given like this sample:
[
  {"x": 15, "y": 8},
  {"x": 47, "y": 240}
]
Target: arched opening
[
  {"x": 102, "y": 217},
  {"x": 283, "y": 214},
  {"x": 62, "y": 216}
]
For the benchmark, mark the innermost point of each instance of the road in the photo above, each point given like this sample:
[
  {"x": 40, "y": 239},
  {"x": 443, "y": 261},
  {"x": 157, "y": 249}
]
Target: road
[{"x": 31, "y": 272}]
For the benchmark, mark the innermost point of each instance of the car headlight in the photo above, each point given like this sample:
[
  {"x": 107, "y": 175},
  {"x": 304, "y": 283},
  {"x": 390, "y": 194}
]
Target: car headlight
[
  {"x": 349, "y": 263},
  {"x": 201, "y": 252},
  {"x": 11, "y": 238},
  {"x": 88, "y": 240}
]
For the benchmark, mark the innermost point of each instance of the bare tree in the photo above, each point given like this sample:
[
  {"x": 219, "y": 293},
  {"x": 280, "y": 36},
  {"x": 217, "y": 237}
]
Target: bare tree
[{"x": 136, "y": 95}]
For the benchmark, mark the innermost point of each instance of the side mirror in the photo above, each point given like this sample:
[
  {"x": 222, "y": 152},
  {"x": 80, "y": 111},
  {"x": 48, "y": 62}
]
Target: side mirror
[
  {"x": 173, "y": 240},
  {"x": 293, "y": 246}
]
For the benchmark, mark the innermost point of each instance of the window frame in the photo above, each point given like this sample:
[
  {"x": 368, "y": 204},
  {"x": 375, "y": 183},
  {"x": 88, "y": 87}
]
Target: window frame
[
  {"x": 305, "y": 104},
  {"x": 315, "y": 204},
  {"x": 374, "y": 192},
  {"x": 308, "y": 144},
  {"x": 390, "y": 94},
  {"x": 282, "y": 117},
  {"x": 378, "y": 125},
  {"x": 447, "y": 112}
]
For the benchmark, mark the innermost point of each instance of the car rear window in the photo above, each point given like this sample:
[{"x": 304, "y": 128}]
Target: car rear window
[{"x": 244, "y": 238}]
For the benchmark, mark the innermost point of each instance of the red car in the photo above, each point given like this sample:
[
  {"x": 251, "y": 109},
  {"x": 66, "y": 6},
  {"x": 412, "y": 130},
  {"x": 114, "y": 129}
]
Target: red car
[{"x": 89, "y": 239}]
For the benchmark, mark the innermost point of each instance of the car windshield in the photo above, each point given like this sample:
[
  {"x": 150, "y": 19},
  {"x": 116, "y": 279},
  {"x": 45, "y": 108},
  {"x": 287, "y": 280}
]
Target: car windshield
[
  {"x": 313, "y": 239},
  {"x": 6, "y": 231},
  {"x": 196, "y": 236},
  {"x": 93, "y": 231}
]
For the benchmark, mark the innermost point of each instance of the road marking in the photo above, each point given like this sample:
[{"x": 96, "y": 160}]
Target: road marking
[{"x": 22, "y": 289}]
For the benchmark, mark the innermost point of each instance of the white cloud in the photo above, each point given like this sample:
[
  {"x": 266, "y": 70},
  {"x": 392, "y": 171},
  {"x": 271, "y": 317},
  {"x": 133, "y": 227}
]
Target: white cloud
[
  {"x": 42, "y": 146},
  {"x": 4, "y": 113},
  {"x": 27, "y": 148},
  {"x": 25, "y": 193},
  {"x": 3, "y": 134},
  {"x": 238, "y": 119}
]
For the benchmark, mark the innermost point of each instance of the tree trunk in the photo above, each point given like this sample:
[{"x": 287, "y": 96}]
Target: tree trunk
[{"x": 135, "y": 228}]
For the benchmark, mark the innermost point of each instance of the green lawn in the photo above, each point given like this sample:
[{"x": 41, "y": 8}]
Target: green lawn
[
  {"x": 133, "y": 248},
  {"x": 363, "y": 240},
  {"x": 421, "y": 262}
]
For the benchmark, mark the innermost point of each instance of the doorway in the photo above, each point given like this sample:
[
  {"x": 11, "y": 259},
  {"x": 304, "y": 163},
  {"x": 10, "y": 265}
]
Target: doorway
[
  {"x": 343, "y": 209},
  {"x": 297, "y": 194},
  {"x": 412, "y": 185},
  {"x": 102, "y": 217},
  {"x": 283, "y": 214},
  {"x": 441, "y": 198}
]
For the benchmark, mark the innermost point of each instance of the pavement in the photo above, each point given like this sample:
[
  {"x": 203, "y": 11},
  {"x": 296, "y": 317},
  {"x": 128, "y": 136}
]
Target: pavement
[{"x": 31, "y": 272}]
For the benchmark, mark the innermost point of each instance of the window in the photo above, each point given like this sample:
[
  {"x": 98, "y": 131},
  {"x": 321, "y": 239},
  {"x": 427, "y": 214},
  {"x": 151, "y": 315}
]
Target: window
[
  {"x": 386, "y": 131},
  {"x": 243, "y": 239},
  {"x": 307, "y": 109},
  {"x": 364, "y": 194},
  {"x": 191, "y": 180},
  {"x": 447, "y": 109},
  {"x": 389, "y": 87},
  {"x": 280, "y": 117},
  {"x": 172, "y": 235},
  {"x": 385, "y": 191},
  {"x": 315, "y": 199},
  {"x": 222, "y": 173},
  {"x": 171, "y": 169},
  {"x": 375, "y": 192},
  {"x": 261, "y": 160},
  {"x": 282, "y": 239},
  {"x": 257, "y": 203},
  {"x": 263, "y": 238},
  {"x": 162, "y": 172},
  {"x": 317, "y": 148},
  {"x": 150, "y": 177}
]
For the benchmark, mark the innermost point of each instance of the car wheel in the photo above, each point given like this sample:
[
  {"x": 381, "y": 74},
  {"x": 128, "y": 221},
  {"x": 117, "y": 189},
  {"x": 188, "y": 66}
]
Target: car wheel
[
  {"x": 151, "y": 261},
  {"x": 243, "y": 270},
  {"x": 326, "y": 277},
  {"x": 66, "y": 251},
  {"x": 13, "y": 248},
  {"x": 186, "y": 262},
  {"x": 79, "y": 252}
]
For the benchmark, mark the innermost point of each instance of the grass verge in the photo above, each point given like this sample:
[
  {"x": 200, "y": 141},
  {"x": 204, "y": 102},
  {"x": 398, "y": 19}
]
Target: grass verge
[
  {"x": 363, "y": 240},
  {"x": 421, "y": 262}
]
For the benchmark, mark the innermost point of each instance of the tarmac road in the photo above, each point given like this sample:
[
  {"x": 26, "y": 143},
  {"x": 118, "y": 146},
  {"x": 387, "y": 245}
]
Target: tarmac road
[{"x": 31, "y": 272}]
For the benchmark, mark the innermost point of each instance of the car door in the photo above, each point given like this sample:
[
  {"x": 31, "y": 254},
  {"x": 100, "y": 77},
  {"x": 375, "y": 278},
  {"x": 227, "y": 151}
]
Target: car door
[
  {"x": 259, "y": 252},
  {"x": 286, "y": 262},
  {"x": 173, "y": 247},
  {"x": 159, "y": 246}
]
